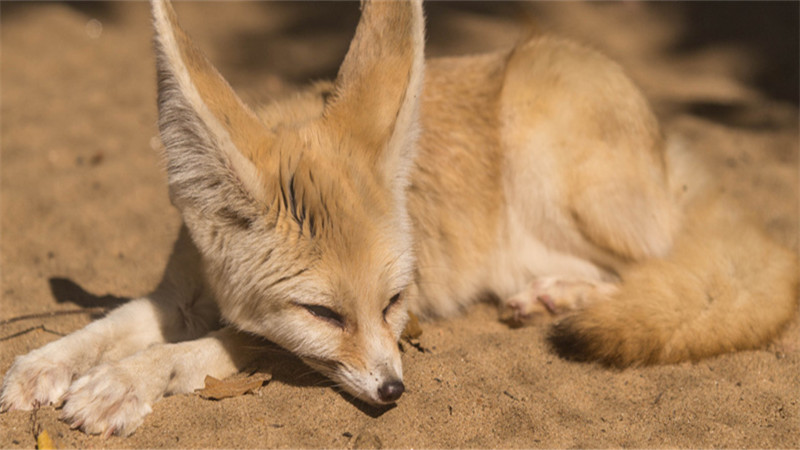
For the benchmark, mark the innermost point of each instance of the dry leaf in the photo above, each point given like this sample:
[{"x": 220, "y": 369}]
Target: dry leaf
[
  {"x": 412, "y": 330},
  {"x": 234, "y": 386},
  {"x": 44, "y": 441}
]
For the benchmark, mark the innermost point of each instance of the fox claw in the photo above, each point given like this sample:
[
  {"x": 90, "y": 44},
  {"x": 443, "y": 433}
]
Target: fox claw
[
  {"x": 548, "y": 303},
  {"x": 34, "y": 381},
  {"x": 105, "y": 401}
]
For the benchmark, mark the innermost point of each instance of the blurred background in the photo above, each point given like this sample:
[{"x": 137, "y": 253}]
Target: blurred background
[{"x": 755, "y": 40}]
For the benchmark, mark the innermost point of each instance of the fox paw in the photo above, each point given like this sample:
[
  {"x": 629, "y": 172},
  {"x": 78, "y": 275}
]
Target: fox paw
[
  {"x": 33, "y": 381},
  {"x": 105, "y": 401},
  {"x": 547, "y": 297}
]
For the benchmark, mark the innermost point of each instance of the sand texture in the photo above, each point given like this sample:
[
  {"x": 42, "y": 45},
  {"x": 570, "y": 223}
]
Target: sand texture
[{"x": 86, "y": 222}]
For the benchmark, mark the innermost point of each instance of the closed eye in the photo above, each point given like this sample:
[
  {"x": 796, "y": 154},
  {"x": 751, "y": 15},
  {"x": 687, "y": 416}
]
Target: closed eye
[
  {"x": 324, "y": 313},
  {"x": 392, "y": 301}
]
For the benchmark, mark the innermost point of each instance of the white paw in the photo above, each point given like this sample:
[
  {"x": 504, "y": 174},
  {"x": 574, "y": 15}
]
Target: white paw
[
  {"x": 34, "y": 380},
  {"x": 107, "y": 400},
  {"x": 550, "y": 296}
]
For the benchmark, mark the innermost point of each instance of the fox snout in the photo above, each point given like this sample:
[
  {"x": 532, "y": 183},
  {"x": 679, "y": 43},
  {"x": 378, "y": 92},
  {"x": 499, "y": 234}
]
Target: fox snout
[
  {"x": 391, "y": 390},
  {"x": 372, "y": 373},
  {"x": 382, "y": 385},
  {"x": 389, "y": 386}
]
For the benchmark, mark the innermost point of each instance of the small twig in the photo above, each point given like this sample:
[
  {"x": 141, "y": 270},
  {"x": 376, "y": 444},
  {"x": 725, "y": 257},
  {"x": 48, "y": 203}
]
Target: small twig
[
  {"x": 54, "y": 314},
  {"x": 26, "y": 331},
  {"x": 33, "y": 420}
]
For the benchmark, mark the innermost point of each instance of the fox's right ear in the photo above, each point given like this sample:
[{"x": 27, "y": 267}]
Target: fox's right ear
[{"x": 211, "y": 138}]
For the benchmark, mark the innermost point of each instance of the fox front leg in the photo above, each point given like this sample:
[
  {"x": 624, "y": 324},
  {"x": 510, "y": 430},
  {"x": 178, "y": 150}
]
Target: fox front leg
[{"x": 114, "y": 398}]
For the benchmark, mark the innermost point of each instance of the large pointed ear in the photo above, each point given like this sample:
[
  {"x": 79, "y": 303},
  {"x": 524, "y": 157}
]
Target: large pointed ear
[
  {"x": 379, "y": 85},
  {"x": 211, "y": 137}
]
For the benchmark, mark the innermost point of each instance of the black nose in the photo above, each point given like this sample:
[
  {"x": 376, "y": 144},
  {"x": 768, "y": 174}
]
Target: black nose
[{"x": 390, "y": 391}]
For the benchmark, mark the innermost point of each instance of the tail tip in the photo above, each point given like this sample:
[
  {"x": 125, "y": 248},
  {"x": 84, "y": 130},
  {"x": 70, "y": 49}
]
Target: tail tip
[
  {"x": 574, "y": 340},
  {"x": 568, "y": 343}
]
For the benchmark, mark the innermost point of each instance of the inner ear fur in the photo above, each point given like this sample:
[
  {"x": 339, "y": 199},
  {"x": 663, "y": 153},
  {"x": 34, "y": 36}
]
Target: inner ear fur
[
  {"x": 211, "y": 137},
  {"x": 378, "y": 88}
]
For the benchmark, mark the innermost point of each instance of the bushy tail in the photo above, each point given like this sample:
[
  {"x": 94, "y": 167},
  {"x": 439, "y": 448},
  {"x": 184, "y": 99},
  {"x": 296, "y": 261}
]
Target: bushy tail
[{"x": 724, "y": 286}]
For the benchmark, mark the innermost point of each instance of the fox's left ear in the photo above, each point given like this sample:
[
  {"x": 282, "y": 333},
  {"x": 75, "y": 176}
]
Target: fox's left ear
[{"x": 379, "y": 85}]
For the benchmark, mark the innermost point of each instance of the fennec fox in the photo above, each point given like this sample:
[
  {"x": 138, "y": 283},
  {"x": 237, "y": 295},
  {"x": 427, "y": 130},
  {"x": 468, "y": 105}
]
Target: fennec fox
[{"x": 537, "y": 173}]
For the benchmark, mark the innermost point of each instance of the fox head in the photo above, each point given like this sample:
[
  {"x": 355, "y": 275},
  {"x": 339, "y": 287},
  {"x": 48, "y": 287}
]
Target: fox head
[{"x": 299, "y": 212}]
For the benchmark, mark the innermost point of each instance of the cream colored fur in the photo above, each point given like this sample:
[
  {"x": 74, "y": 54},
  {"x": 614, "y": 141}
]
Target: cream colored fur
[{"x": 537, "y": 173}]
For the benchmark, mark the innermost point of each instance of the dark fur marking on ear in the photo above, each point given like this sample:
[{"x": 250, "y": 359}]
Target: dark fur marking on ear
[
  {"x": 283, "y": 191},
  {"x": 312, "y": 225},
  {"x": 235, "y": 218},
  {"x": 293, "y": 203},
  {"x": 326, "y": 96},
  {"x": 267, "y": 256},
  {"x": 312, "y": 222},
  {"x": 325, "y": 210},
  {"x": 286, "y": 278},
  {"x": 298, "y": 212}
]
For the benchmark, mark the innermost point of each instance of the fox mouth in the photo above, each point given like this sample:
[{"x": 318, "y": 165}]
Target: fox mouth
[
  {"x": 333, "y": 370},
  {"x": 324, "y": 366},
  {"x": 386, "y": 390}
]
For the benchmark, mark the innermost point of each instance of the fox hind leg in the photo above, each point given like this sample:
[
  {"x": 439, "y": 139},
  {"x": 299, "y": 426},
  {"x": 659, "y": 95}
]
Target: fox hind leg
[{"x": 547, "y": 297}]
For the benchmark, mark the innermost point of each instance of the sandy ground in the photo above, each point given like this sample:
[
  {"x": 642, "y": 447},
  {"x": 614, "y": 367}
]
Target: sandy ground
[{"x": 86, "y": 223}]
